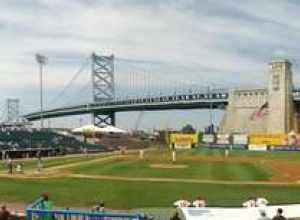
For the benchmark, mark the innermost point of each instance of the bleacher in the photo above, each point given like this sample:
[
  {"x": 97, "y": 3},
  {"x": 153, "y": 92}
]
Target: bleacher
[{"x": 18, "y": 139}]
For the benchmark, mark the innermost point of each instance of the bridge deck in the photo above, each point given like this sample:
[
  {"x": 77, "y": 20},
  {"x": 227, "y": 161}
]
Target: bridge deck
[
  {"x": 190, "y": 101},
  {"x": 214, "y": 100}
]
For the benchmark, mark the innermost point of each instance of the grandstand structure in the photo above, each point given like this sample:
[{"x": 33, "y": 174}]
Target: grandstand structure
[
  {"x": 16, "y": 142},
  {"x": 19, "y": 140}
]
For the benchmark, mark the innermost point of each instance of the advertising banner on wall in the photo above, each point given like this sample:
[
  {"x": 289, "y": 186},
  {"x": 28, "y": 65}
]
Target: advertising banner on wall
[
  {"x": 240, "y": 146},
  {"x": 183, "y": 141},
  {"x": 208, "y": 138},
  {"x": 240, "y": 139},
  {"x": 275, "y": 139},
  {"x": 267, "y": 139},
  {"x": 223, "y": 139},
  {"x": 285, "y": 148},
  {"x": 257, "y": 147}
]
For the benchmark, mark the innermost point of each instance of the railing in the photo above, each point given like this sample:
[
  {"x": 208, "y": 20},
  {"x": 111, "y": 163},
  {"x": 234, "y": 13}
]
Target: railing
[{"x": 34, "y": 212}]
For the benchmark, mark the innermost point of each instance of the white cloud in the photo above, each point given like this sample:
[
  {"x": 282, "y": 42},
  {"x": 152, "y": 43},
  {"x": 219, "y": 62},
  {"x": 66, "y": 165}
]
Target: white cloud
[{"x": 225, "y": 42}]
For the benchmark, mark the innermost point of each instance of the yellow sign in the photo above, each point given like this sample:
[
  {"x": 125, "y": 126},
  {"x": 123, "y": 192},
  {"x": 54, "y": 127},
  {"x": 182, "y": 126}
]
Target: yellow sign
[
  {"x": 183, "y": 140},
  {"x": 268, "y": 139}
]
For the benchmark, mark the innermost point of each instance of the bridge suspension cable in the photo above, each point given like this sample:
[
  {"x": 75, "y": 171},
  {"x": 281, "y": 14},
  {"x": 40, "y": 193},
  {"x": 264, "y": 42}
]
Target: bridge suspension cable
[
  {"x": 146, "y": 82},
  {"x": 71, "y": 82},
  {"x": 80, "y": 94},
  {"x": 3, "y": 112}
]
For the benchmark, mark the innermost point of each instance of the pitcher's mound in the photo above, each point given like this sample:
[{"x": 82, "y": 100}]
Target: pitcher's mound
[{"x": 169, "y": 166}]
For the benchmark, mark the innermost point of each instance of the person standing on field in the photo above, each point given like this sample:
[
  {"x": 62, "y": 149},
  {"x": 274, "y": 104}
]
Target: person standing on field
[{"x": 10, "y": 166}]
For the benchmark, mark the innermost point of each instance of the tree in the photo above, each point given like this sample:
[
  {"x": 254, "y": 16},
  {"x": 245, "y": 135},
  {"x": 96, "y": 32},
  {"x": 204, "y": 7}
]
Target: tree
[{"x": 188, "y": 129}]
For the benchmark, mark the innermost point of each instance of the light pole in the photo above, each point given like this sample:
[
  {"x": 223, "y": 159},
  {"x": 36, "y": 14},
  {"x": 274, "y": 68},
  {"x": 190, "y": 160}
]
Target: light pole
[
  {"x": 42, "y": 60},
  {"x": 210, "y": 95}
]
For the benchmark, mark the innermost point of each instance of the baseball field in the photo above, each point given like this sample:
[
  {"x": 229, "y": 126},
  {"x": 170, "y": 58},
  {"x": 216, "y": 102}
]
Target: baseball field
[{"x": 129, "y": 181}]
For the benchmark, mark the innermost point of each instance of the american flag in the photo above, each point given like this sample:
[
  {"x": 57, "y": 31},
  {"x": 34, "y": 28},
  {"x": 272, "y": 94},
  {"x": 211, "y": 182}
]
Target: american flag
[{"x": 261, "y": 112}]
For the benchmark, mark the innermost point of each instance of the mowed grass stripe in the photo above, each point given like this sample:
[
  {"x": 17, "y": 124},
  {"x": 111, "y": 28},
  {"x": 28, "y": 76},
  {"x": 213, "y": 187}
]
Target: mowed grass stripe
[
  {"x": 245, "y": 172},
  {"x": 208, "y": 170},
  {"x": 71, "y": 192}
]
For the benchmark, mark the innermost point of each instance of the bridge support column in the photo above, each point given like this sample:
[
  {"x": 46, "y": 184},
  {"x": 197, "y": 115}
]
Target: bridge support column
[
  {"x": 104, "y": 119},
  {"x": 281, "y": 98},
  {"x": 103, "y": 86},
  {"x": 12, "y": 110}
]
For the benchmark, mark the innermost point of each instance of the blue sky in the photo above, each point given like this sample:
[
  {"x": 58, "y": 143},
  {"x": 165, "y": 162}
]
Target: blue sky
[{"x": 179, "y": 43}]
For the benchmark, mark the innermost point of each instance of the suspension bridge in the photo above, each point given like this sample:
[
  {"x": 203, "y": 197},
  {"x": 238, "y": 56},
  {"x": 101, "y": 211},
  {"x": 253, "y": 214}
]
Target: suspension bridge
[
  {"x": 106, "y": 99},
  {"x": 105, "y": 93}
]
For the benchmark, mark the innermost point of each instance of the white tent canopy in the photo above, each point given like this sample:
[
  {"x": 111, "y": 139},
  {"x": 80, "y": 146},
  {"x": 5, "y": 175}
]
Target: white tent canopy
[
  {"x": 105, "y": 129},
  {"x": 112, "y": 129}
]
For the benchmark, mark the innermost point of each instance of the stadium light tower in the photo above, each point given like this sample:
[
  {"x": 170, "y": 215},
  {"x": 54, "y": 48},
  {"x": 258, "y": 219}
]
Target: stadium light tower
[
  {"x": 210, "y": 96},
  {"x": 42, "y": 60}
]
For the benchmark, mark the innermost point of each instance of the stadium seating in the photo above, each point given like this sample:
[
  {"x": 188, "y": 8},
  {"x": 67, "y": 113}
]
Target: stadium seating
[{"x": 22, "y": 138}]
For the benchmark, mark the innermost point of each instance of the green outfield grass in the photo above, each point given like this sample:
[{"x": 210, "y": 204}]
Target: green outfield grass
[
  {"x": 194, "y": 168},
  {"x": 208, "y": 170},
  {"x": 70, "y": 192},
  {"x": 125, "y": 194}
]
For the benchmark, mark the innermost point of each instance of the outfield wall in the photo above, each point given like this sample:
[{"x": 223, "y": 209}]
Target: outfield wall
[{"x": 253, "y": 142}]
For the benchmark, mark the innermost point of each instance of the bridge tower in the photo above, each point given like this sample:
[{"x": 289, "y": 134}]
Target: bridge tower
[
  {"x": 103, "y": 87},
  {"x": 12, "y": 110},
  {"x": 281, "y": 110}
]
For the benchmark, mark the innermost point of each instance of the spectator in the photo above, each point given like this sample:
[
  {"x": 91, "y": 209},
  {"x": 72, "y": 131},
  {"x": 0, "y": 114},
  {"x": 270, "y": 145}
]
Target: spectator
[
  {"x": 263, "y": 215},
  {"x": 279, "y": 215},
  {"x": 199, "y": 202},
  {"x": 100, "y": 207},
  {"x": 175, "y": 216},
  {"x": 4, "y": 213},
  {"x": 182, "y": 203},
  {"x": 261, "y": 202},
  {"x": 250, "y": 203},
  {"x": 145, "y": 217},
  {"x": 45, "y": 203}
]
